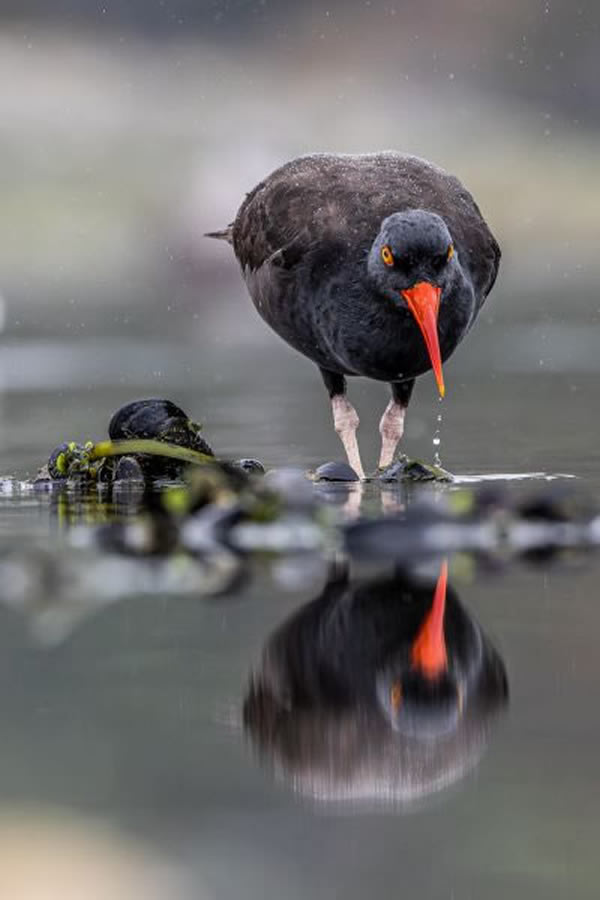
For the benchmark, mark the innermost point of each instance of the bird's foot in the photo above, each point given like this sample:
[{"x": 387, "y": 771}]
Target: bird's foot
[{"x": 406, "y": 469}]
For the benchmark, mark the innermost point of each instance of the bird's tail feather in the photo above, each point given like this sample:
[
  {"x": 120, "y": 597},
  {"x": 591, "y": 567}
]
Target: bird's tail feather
[{"x": 226, "y": 234}]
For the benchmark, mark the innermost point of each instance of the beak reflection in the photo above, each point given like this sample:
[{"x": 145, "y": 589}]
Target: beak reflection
[{"x": 379, "y": 690}]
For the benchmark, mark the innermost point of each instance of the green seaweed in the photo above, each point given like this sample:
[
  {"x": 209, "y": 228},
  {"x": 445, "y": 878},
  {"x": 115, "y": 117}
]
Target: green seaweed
[{"x": 75, "y": 459}]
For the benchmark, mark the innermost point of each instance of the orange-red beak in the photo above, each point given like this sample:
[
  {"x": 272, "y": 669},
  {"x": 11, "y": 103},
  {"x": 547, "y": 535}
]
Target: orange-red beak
[
  {"x": 429, "y": 647},
  {"x": 424, "y": 302}
]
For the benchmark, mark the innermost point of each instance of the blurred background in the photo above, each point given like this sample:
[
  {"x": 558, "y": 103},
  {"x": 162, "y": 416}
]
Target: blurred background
[{"x": 129, "y": 127}]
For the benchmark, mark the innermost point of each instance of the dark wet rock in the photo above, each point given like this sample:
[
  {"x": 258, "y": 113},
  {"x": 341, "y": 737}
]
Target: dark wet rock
[
  {"x": 405, "y": 469},
  {"x": 158, "y": 419},
  {"x": 70, "y": 459},
  {"x": 56, "y": 462},
  {"x": 155, "y": 420},
  {"x": 250, "y": 466},
  {"x": 336, "y": 471},
  {"x": 128, "y": 469}
]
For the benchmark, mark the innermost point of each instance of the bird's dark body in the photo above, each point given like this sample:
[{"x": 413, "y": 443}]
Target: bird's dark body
[
  {"x": 333, "y": 649},
  {"x": 336, "y": 707},
  {"x": 302, "y": 237}
]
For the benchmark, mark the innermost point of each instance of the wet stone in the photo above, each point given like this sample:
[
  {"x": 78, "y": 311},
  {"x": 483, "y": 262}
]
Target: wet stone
[
  {"x": 251, "y": 466},
  {"x": 406, "y": 469},
  {"x": 154, "y": 420},
  {"x": 159, "y": 419},
  {"x": 56, "y": 461},
  {"x": 128, "y": 469},
  {"x": 336, "y": 471}
]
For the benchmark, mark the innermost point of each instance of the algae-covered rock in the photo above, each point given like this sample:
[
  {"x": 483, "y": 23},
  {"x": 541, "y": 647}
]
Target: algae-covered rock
[
  {"x": 406, "y": 469},
  {"x": 160, "y": 420},
  {"x": 134, "y": 452}
]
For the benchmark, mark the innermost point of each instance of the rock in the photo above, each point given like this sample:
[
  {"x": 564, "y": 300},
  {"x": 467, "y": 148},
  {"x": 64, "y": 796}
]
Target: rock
[
  {"x": 251, "y": 466},
  {"x": 158, "y": 419},
  {"x": 406, "y": 469},
  {"x": 128, "y": 469},
  {"x": 161, "y": 420},
  {"x": 336, "y": 471}
]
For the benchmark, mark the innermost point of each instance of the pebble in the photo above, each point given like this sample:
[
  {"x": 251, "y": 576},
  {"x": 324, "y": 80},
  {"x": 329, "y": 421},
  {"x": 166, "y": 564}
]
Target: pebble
[
  {"x": 251, "y": 466},
  {"x": 336, "y": 471}
]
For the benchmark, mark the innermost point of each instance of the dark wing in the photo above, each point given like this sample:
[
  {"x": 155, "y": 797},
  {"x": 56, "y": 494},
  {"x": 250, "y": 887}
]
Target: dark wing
[
  {"x": 278, "y": 220},
  {"x": 325, "y": 198}
]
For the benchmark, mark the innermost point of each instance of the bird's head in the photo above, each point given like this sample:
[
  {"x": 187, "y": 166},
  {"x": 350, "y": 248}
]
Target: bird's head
[
  {"x": 411, "y": 261},
  {"x": 422, "y": 695}
]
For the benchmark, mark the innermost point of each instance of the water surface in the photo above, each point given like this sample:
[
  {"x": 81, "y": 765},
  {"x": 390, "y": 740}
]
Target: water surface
[{"x": 136, "y": 717}]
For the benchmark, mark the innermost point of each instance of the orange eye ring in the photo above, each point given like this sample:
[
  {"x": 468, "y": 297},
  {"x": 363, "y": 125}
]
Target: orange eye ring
[
  {"x": 396, "y": 696},
  {"x": 450, "y": 253},
  {"x": 387, "y": 255}
]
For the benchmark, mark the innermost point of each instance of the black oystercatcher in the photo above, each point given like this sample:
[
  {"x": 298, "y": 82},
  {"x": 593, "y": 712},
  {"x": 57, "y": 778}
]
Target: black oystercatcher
[
  {"x": 372, "y": 265},
  {"x": 384, "y": 687}
]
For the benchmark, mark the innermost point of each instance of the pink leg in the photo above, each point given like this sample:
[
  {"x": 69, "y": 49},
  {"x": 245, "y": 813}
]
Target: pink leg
[
  {"x": 391, "y": 429},
  {"x": 345, "y": 422}
]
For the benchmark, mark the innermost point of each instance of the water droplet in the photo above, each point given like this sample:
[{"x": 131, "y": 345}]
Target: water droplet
[{"x": 437, "y": 440}]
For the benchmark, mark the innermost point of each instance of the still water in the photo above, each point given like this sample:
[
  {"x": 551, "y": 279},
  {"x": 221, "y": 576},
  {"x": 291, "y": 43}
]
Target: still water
[{"x": 149, "y": 716}]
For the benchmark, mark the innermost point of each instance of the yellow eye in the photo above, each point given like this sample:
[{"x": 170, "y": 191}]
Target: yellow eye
[
  {"x": 396, "y": 696},
  {"x": 450, "y": 252},
  {"x": 387, "y": 255}
]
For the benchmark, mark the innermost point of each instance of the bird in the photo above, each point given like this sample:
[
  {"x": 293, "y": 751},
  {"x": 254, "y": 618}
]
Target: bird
[
  {"x": 372, "y": 265},
  {"x": 383, "y": 686}
]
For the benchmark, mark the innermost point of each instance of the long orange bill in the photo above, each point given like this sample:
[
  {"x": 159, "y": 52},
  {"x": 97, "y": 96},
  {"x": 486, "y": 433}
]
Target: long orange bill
[
  {"x": 424, "y": 302},
  {"x": 429, "y": 647}
]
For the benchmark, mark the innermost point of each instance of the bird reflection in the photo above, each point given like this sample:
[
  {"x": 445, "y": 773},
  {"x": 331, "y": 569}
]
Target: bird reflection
[{"x": 379, "y": 690}]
